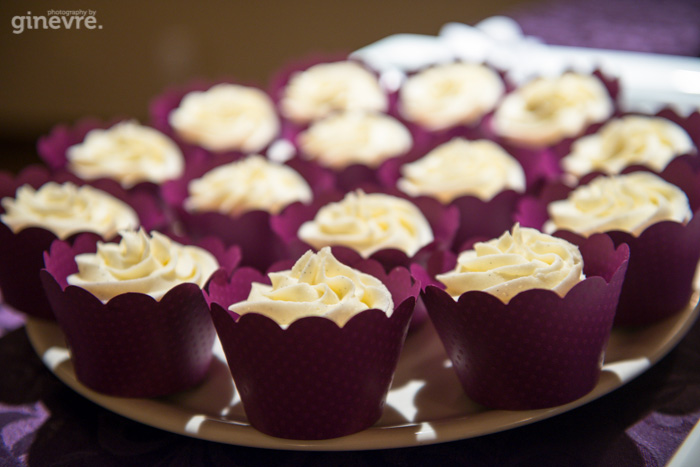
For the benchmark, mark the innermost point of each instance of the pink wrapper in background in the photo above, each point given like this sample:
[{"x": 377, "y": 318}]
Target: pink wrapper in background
[
  {"x": 132, "y": 346},
  {"x": 663, "y": 258},
  {"x": 539, "y": 350},
  {"x": 312, "y": 380},
  {"x": 21, "y": 253}
]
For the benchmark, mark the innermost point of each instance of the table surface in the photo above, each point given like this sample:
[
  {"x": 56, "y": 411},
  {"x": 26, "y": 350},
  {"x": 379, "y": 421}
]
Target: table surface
[{"x": 43, "y": 422}]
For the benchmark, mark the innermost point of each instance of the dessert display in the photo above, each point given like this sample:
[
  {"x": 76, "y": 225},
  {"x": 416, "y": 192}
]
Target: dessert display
[
  {"x": 518, "y": 311},
  {"x": 133, "y": 312},
  {"x": 313, "y": 354},
  {"x": 311, "y": 227}
]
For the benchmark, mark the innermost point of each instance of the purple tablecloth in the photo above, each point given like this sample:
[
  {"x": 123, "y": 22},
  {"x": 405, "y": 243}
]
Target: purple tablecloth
[{"x": 43, "y": 422}]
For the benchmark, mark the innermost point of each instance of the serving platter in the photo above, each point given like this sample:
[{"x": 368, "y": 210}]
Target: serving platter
[{"x": 425, "y": 405}]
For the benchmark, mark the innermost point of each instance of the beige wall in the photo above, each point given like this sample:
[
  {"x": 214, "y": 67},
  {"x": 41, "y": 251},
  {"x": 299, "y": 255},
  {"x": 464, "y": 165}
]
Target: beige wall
[{"x": 53, "y": 76}]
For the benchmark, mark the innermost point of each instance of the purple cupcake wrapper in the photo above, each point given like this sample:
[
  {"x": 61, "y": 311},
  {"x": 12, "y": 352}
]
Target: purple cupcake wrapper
[
  {"x": 540, "y": 350},
  {"x": 132, "y": 346},
  {"x": 663, "y": 258},
  {"x": 314, "y": 379}
]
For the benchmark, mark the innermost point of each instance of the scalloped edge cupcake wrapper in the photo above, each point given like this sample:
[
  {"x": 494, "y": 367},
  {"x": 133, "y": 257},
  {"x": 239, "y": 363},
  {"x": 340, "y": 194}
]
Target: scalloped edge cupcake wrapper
[
  {"x": 539, "y": 350},
  {"x": 132, "y": 346}
]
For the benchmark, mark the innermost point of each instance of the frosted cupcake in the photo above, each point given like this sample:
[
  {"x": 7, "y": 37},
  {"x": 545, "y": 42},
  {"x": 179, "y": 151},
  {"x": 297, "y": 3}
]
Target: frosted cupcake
[
  {"x": 37, "y": 211},
  {"x": 313, "y": 349},
  {"x": 127, "y": 152},
  {"x": 545, "y": 111},
  {"x": 478, "y": 177},
  {"x": 450, "y": 95},
  {"x": 325, "y": 88},
  {"x": 655, "y": 219},
  {"x": 631, "y": 140},
  {"x": 525, "y": 318},
  {"x": 354, "y": 144},
  {"x": 133, "y": 312},
  {"x": 235, "y": 199}
]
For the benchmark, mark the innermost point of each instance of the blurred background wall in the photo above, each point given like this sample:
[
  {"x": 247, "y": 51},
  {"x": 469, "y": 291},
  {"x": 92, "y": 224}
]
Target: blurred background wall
[{"x": 58, "y": 76}]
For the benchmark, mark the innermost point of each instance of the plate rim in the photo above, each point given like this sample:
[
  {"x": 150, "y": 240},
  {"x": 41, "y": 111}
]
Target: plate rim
[{"x": 161, "y": 414}]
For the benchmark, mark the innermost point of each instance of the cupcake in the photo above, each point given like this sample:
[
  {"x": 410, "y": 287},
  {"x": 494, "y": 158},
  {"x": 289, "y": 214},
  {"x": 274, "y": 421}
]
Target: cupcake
[
  {"x": 449, "y": 95},
  {"x": 313, "y": 349},
  {"x": 133, "y": 312},
  {"x": 225, "y": 118},
  {"x": 545, "y": 111},
  {"x": 234, "y": 200},
  {"x": 627, "y": 141},
  {"x": 478, "y": 177},
  {"x": 354, "y": 144},
  {"x": 655, "y": 219},
  {"x": 36, "y": 211},
  {"x": 318, "y": 91},
  {"x": 525, "y": 318},
  {"x": 126, "y": 151}
]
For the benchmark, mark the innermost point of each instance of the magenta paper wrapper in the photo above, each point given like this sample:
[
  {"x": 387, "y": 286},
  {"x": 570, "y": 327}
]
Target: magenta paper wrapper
[
  {"x": 312, "y": 380},
  {"x": 162, "y": 105},
  {"x": 132, "y": 346},
  {"x": 663, "y": 259},
  {"x": 540, "y": 350},
  {"x": 444, "y": 221},
  {"x": 21, "y": 254}
]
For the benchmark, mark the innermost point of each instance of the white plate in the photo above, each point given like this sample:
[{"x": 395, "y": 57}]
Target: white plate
[{"x": 426, "y": 404}]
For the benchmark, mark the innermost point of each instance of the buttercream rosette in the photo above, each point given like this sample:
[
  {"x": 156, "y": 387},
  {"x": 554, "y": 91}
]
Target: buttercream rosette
[
  {"x": 249, "y": 226},
  {"x": 145, "y": 330},
  {"x": 541, "y": 158},
  {"x": 24, "y": 239},
  {"x": 438, "y": 222},
  {"x": 477, "y": 177},
  {"x": 223, "y": 117},
  {"x": 539, "y": 347},
  {"x": 314, "y": 378},
  {"x": 449, "y": 100},
  {"x": 664, "y": 254}
]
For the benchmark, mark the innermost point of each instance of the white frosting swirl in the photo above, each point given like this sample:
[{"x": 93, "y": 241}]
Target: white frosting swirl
[
  {"x": 67, "y": 209},
  {"x": 522, "y": 260},
  {"x": 448, "y": 95},
  {"x": 369, "y": 223},
  {"x": 629, "y": 203},
  {"x": 547, "y": 110},
  {"x": 329, "y": 87},
  {"x": 317, "y": 285},
  {"x": 460, "y": 167},
  {"x": 630, "y": 140},
  {"x": 253, "y": 183},
  {"x": 355, "y": 137},
  {"x": 127, "y": 152},
  {"x": 227, "y": 117},
  {"x": 141, "y": 263}
]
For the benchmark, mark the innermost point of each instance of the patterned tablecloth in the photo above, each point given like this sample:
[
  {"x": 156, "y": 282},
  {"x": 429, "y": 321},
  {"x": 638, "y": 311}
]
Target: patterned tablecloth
[{"x": 43, "y": 422}]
